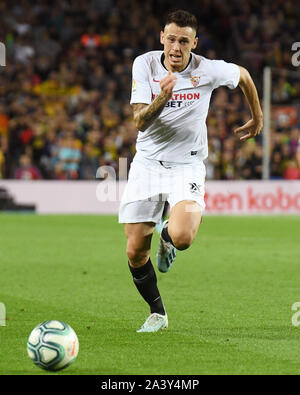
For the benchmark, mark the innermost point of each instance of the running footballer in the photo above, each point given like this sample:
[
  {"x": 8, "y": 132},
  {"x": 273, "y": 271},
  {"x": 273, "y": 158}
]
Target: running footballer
[{"x": 171, "y": 91}]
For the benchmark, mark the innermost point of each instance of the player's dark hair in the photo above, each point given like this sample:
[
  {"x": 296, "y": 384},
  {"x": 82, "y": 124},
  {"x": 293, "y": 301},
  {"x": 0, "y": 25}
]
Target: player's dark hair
[{"x": 182, "y": 19}]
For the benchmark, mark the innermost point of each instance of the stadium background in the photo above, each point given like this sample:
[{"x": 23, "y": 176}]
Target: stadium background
[{"x": 64, "y": 94}]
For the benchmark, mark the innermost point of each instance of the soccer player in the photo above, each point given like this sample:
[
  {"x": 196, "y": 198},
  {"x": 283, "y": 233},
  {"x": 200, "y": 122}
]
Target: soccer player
[{"x": 171, "y": 91}]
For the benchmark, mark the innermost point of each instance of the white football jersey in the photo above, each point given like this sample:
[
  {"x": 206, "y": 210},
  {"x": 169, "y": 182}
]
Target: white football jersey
[{"x": 179, "y": 134}]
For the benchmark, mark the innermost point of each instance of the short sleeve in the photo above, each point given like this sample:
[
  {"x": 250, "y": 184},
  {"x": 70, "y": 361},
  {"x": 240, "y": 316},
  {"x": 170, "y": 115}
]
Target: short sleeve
[
  {"x": 141, "y": 89},
  {"x": 225, "y": 74}
]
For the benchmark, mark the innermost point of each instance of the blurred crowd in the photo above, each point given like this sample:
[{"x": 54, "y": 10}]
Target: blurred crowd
[{"x": 64, "y": 93}]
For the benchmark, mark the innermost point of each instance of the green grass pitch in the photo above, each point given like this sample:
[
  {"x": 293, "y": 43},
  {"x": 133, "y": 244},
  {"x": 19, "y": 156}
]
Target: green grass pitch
[{"x": 229, "y": 297}]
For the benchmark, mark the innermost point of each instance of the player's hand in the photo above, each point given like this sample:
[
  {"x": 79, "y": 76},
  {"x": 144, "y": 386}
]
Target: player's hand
[
  {"x": 251, "y": 129},
  {"x": 167, "y": 84}
]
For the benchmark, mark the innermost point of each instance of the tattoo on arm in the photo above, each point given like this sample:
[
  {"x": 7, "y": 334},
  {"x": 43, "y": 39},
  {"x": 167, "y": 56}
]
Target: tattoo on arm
[{"x": 145, "y": 114}]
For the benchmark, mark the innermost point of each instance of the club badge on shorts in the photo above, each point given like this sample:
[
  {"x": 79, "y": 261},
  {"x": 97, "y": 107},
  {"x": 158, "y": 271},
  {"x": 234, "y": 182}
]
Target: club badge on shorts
[{"x": 194, "y": 188}]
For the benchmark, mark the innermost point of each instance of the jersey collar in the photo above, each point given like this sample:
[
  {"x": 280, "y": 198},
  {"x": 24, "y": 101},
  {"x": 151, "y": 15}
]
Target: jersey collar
[{"x": 162, "y": 59}]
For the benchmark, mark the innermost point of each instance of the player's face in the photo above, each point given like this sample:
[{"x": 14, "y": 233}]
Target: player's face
[{"x": 178, "y": 43}]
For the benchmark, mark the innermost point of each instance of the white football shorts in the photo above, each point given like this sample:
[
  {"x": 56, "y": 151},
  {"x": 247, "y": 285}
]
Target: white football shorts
[{"x": 151, "y": 183}]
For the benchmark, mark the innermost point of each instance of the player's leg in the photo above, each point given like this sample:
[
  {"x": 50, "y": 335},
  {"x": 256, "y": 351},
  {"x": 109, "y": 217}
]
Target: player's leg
[
  {"x": 140, "y": 214},
  {"x": 177, "y": 233},
  {"x": 183, "y": 224},
  {"x": 138, "y": 251},
  {"x": 187, "y": 204},
  {"x": 139, "y": 236}
]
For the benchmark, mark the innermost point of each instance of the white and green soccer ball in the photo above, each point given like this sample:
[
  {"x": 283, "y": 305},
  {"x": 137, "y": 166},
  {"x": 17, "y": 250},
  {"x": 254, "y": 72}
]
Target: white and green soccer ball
[{"x": 53, "y": 345}]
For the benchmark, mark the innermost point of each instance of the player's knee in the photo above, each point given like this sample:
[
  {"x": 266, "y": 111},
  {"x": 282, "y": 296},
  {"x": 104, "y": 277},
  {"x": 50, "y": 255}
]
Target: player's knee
[
  {"x": 182, "y": 240},
  {"x": 136, "y": 256}
]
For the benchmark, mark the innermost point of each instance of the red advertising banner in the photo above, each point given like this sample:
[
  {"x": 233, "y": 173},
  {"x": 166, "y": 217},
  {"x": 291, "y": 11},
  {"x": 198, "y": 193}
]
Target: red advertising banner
[
  {"x": 257, "y": 197},
  {"x": 100, "y": 197}
]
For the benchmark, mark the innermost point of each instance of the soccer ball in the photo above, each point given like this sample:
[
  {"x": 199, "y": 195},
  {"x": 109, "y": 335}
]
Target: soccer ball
[{"x": 53, "y": 345}]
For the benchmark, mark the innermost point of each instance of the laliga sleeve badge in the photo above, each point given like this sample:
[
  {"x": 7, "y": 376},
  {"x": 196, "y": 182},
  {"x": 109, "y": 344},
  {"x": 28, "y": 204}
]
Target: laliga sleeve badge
[{"x": 133, "y": 84}]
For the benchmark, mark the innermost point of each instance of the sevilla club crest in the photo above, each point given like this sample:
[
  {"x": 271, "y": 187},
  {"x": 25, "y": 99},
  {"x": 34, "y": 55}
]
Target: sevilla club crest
[{"x": 195, "y": 80}]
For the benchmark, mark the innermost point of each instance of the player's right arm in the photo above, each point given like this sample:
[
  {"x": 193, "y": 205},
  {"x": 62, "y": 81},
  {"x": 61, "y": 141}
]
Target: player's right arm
[
  {"x": 145, "y": 111},
  {"x": 145, "y": 114}
]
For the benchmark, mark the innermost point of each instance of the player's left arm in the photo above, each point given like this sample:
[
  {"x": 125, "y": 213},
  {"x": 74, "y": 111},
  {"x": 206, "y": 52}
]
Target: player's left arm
[{"x": 254, "y": 126}]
